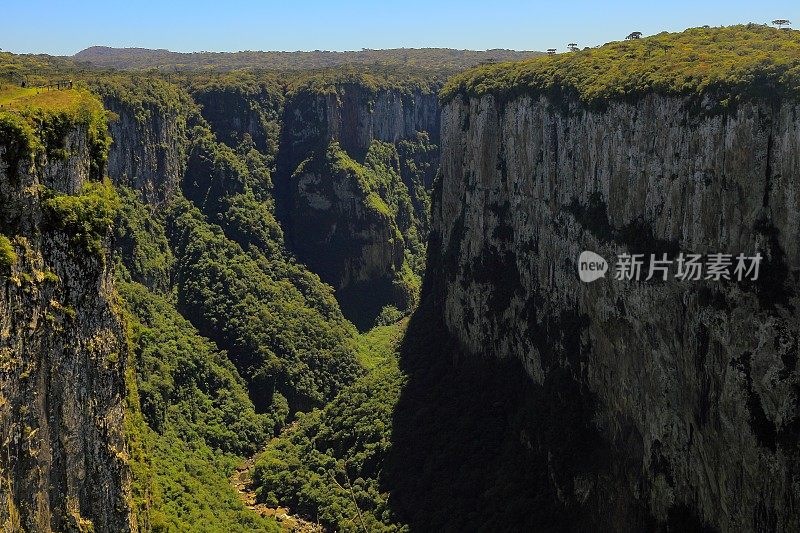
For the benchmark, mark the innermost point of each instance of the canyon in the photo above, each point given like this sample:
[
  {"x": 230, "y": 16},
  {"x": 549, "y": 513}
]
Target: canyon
[{"x": 355, "y": 293}]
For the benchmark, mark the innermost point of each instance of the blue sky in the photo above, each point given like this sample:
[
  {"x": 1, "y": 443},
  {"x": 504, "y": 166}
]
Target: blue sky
[{"x": 66, "y": 27}]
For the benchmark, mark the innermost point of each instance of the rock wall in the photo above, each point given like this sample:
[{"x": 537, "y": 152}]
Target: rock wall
[
  {"x": 62, "y": 361},
  {"x": 233, "y": 113},
  {"x": 148, "y": 152},
  {"x": 353, "y": 115},
  {"x": 352, "y": 220},
  {"x": 333, "y": 199},
  {"x": 691, "y": 387}
]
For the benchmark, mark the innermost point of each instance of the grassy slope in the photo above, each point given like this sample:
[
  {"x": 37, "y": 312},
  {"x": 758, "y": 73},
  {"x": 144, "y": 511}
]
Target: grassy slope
[
  {"x": 33, "y": 122},
  {"x": 78, "y": 105},
  {"x": 18, "y": 98}
]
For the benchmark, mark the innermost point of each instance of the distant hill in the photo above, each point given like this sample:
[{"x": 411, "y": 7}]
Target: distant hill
[{"x": 436, "y": 58}]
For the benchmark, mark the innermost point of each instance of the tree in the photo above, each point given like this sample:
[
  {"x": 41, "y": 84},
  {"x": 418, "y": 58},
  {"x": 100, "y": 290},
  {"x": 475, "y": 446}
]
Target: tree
[
  {"x": 633, "y": 35},
  {"x": 551, "y": 51},
  {"x": 573, "y": 47},
  {"x": 781, "y": 22}
]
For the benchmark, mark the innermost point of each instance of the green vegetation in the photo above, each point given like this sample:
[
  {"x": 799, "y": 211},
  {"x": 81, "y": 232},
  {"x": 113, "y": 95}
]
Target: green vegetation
[
  {"x": 242, "y": 105},
  {"x": 138, "y": 444},
  {"x": 418, "y": 166},
  {"x": 729, "y": 62},
  {"x": 329, "y": 466},
  {"x": 235, "y": 345},
  {"x": 20, "y": 99},
  {"x": 19, "y": 140},
  {"x": 192, "y": 492},
  {"x": 388, "y": 315},
  {"x": 230, "y": 337},
  {"x": 387, "y": 207},
  {"x": 338, "y": 162},
  {"x": 144, "y": 95},
  {"x": 407, "y": 199},
  {"x": 440, "y": 443},
  {"x": 279, "y": 323},
  {"x": 286, "y": 337},
  {"x": 215, "y": 172},
  {"x": 370, "y": 79},
  {"x": 142, "y": 251},
  {"x": 35, "y": 69},
  {"x": 427, "y": 58},
  {"x": 86, "y": 217},
  {"x": 281, "y": 326},
  {"x": 386, "y": 193},
  {"x": 191, "y": 420},
  {"x": 194, "y": 423},
  {"x": 7, "y": 255},
  {"x": 33, "y": 120},
  {"x": 186, "y": 384},
  {"x": 243, "y": 111},
  {"x": 252, "y": 224}
]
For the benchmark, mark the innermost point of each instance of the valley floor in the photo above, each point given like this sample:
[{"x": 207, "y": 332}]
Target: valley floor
[{"x": 242, "y": 482}]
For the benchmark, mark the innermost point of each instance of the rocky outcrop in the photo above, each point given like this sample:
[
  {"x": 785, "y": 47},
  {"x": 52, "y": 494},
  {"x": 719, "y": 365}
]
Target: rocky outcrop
[
  {"x": 354, "y": 115},
  {"x": 691, "y": 386},
  {"x": 331, "y": 198},
  {"x": 235, "y": 111},
  {"x": 62, "y": 357},
  {"x": 345, "y": 232},
  {"x": 148, "y": 152},
  {"x": 354, "y": 169}
]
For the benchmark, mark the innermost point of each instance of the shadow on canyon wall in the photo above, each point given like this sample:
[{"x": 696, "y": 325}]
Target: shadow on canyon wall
[{"x": 477, "y": 446}]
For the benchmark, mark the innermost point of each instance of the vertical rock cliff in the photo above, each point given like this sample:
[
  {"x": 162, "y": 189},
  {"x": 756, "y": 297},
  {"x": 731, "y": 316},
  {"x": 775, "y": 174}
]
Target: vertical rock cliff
[
  {"x": 355, "y": 114},
  {"x": 242, "y": 105},
  {"x": 149, "y": 131},
  {"x": 692, "y": 388},
  {"x": 63, "y": 464},
  {"x": 354, "y": 163}
]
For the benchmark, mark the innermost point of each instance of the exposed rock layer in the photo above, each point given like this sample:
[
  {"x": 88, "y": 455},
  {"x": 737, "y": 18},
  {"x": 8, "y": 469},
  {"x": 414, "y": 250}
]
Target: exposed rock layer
[
  {"x": 352, "y": 223},
  {"x": 62, "y": 361},
  {"x": 148, "y": 151},
  {"x": 354, "y": 115},
  {"x": 692, "y": 386}
]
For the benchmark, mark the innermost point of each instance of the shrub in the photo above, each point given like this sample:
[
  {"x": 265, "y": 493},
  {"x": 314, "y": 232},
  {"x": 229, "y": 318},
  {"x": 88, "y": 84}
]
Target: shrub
[
  {"x": 7, "y": 255},
  {"x": 86, "y": 217}
]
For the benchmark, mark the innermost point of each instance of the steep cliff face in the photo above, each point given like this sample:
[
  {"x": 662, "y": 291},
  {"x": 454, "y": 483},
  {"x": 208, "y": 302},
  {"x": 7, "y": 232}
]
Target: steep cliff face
[
  {"x": 149, "y": 149},
  {"x": 62, "y": 349},
  {"x": 691, "y": 386},
  {"x": 354, "y": 115},
  {"x": 356, "y": 163},
  {"x": 244, "y": 108}
]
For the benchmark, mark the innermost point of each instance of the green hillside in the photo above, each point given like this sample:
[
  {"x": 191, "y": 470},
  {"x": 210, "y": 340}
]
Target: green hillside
[{"x": 728, "y": 61}]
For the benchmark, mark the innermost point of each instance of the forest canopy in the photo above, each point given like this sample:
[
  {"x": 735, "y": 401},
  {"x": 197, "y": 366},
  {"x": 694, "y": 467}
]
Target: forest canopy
[{"x": 744, "y": 59}]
